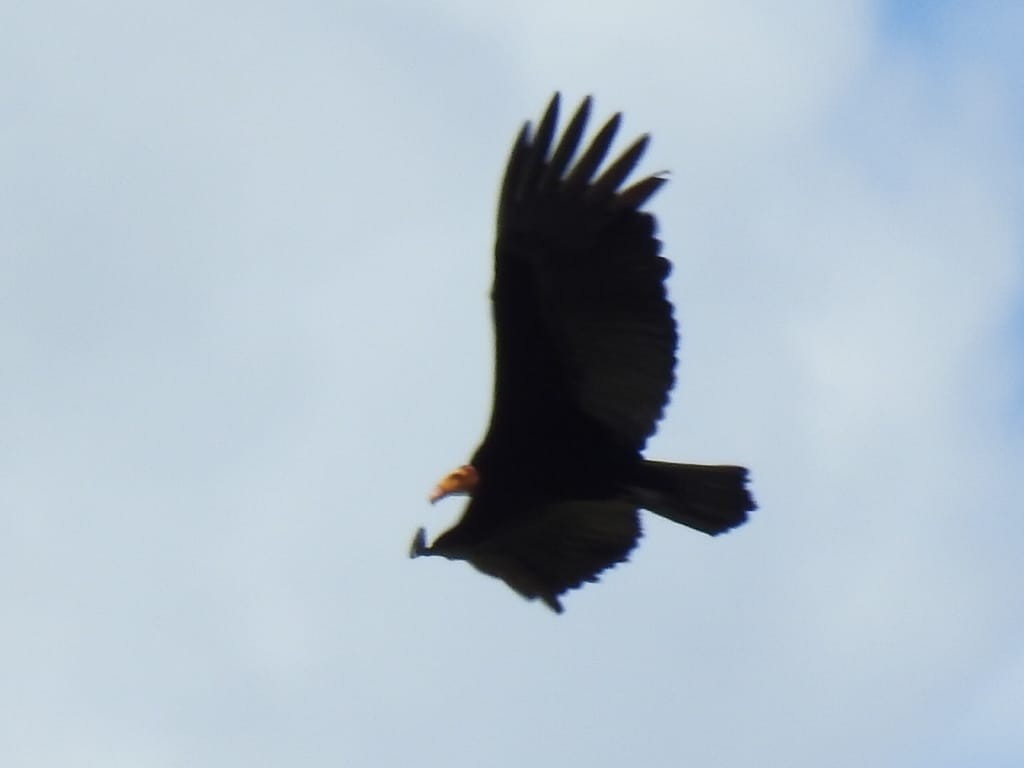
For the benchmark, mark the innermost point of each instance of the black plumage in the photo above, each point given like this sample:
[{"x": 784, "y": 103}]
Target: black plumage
[{"x": 585, "y": 356}]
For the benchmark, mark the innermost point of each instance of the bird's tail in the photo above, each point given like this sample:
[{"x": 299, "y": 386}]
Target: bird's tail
[{"x": 711, "y": 499}]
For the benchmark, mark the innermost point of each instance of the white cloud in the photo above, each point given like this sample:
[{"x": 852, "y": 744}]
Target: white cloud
[{"x": 245, "y": 264}]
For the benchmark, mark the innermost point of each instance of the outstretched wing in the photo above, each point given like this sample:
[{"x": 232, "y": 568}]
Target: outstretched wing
[
  {"x": 560, "y": 548},
  {"x": 584, "y": 330}
]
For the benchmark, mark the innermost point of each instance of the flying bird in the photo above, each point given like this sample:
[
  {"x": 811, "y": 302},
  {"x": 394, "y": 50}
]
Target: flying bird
[{"x": 585, "y": 348}]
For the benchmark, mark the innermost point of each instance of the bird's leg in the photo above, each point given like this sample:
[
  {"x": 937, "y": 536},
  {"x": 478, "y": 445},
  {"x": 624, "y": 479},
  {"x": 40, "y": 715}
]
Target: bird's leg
[{"x": 463, "y": 480}]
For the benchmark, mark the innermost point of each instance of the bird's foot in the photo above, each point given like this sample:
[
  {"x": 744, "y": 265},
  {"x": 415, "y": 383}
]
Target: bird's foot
[{"x": 419, "y": 546}]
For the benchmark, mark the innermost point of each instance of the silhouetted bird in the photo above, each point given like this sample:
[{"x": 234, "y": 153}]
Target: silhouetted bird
[{"x": 585, "y": 356}]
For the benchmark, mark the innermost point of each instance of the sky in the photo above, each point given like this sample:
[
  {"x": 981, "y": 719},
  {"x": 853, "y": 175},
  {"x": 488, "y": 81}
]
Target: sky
[{"x": 244, "y": 264}]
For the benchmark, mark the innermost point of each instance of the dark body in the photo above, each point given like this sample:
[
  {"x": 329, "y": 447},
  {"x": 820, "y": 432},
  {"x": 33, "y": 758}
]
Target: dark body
[{"x": 585, "y": 356}]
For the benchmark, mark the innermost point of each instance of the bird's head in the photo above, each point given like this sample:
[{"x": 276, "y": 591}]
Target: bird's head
[{"x": 462, "y": 481}]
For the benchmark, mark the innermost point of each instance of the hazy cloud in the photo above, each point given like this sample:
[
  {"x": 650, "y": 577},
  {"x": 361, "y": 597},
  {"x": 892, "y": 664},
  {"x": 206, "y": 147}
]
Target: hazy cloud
[{"x": 244, "y": 261}]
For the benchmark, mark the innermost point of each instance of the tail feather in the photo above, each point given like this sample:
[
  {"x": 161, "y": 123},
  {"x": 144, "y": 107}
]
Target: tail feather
[{"x": 711, "y": 499}]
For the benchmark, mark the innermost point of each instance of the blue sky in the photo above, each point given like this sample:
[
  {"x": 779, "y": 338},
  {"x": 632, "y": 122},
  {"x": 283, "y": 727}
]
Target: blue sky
[{"x": 244, "y": 261}]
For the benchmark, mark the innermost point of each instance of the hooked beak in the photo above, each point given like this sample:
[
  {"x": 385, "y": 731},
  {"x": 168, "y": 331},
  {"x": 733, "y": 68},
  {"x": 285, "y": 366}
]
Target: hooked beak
[{"x": 463, "y": 480}]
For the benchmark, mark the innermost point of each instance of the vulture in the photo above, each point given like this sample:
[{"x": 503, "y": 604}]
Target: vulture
[{"x": 585, "y": 355}]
